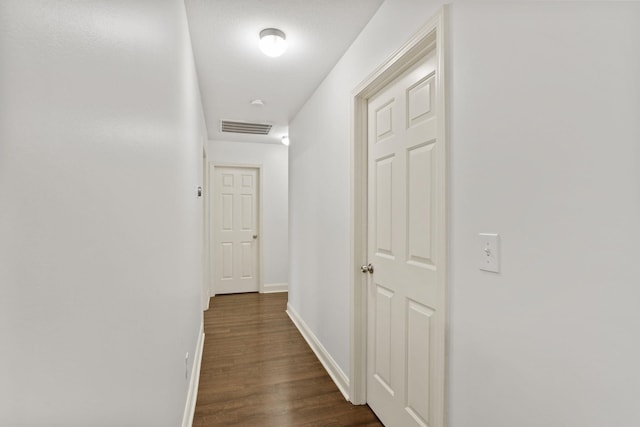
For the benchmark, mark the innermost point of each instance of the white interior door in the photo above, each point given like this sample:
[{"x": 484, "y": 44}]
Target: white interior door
[
  {"x": 235, "y": 225},
  {"x": 406, "y": 295}
]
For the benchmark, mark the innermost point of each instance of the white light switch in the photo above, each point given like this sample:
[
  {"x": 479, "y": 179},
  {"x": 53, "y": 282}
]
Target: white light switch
[{"x": 489, "y": 253}]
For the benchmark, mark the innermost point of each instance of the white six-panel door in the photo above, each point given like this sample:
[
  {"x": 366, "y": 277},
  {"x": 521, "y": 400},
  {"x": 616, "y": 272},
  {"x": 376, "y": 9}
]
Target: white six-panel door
[
  {"x": 405, "y": 325},
  {"x": 235, "y": 230}
]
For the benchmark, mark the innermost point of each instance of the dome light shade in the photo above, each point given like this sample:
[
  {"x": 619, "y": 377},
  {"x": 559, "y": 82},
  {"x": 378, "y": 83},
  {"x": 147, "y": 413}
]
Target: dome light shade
[{"x": 273, "y": 42}]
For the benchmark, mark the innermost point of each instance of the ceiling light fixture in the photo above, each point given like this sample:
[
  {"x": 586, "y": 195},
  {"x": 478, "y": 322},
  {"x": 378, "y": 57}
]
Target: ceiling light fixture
[
  {"x": 273, "y": 42},
  {"x": 285, "y": 140}
]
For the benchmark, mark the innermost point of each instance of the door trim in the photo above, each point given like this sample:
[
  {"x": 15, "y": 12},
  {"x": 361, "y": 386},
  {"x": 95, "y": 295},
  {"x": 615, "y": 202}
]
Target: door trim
[
  {"x": 211, "y": 167},
  {"x": 430, "y": 37},
  {"x": 206, "y": 253}
]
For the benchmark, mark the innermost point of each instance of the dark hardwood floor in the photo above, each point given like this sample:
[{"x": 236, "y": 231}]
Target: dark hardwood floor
[{"x": 257, "y": 370}]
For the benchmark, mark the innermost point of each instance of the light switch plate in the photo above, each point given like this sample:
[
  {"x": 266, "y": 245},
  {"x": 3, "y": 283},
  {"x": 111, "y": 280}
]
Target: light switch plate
[{"x": 489, "y": 252}]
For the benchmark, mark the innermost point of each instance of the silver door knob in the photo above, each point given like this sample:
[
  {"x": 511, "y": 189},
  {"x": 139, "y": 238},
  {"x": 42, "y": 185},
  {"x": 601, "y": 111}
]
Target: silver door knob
[
  {"x": 255, "y": 236},
  {"x": 367, "y": 268}
]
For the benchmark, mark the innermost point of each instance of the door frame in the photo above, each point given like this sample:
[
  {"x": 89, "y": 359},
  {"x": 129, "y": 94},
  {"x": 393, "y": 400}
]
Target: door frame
[
  {"x": 211, "y": 169},
  {"x": 206, "y": 253},
  {"x": 429, "y": 38}
]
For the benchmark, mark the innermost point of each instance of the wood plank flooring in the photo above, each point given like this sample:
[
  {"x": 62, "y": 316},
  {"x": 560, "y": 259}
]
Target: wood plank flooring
[{"x": 257, "y": 370}]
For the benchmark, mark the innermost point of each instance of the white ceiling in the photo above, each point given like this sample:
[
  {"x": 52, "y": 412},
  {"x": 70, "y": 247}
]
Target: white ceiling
[{"x": 232, "y": 71}]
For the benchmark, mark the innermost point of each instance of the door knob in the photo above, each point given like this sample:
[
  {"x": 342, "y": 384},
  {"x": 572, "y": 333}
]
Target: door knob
[
  {"x": 255, "y": 236},
  {"x": 367, "y": 268}
]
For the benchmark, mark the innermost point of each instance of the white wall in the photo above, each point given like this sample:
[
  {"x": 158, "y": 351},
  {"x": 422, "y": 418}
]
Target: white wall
[
  {"x": 275, "y": 172},
  {"x": 544, "y": 149},
  {"x": 101, "y": 134}
]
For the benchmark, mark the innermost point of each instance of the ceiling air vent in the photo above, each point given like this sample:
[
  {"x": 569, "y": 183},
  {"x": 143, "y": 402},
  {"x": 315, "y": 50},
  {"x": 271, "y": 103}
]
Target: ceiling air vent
[{"x": 244, "y": 127}]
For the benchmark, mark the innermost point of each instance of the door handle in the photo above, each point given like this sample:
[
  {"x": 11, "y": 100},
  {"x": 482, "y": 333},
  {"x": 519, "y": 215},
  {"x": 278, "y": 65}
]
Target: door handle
[
  {"x": 367, "y": 268},
  {"x": 255, "y": 236}
]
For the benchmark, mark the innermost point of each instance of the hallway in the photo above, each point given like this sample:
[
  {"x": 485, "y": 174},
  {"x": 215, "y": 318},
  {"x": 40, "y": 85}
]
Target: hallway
[{"x": 257, "y": 370}]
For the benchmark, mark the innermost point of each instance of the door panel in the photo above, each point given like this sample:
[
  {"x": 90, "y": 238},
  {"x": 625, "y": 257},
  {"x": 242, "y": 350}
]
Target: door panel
[
  {"x": 419, "y": 183},
  {"x": 384, "y": 198},
  {"x": 247, "y": 212},
  {"x": 235, "y": 222},
  {"x": 382, "y": 338},
  {"x": 227, "y": 260},
  {"x": 405, "y": 291},
  {"x": 418, "y": 342},
  {"x": 227, "y": 211}
]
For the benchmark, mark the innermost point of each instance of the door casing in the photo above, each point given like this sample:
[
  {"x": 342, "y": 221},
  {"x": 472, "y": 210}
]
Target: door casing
[
  {"x": 206, "y": 259},
  {"x": 260, "y": 267},
  {"x": 428, "y": 38}
]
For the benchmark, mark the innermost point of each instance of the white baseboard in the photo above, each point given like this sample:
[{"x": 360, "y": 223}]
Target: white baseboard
[
  {"x": 192, "y": 395},
  {"x": 337, "y": 375},
  {"x": 270, "y": 288},
  {"x": 206, "y": 302}
]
